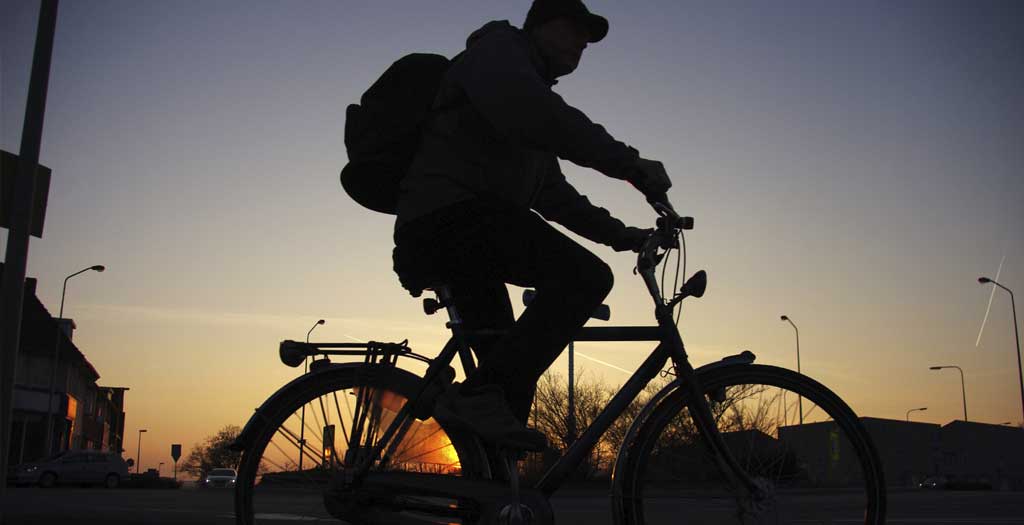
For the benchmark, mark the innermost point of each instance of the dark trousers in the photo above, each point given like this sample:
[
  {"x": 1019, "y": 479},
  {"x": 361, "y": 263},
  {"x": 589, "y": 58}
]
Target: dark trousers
[{"x": 476, "y": 248}]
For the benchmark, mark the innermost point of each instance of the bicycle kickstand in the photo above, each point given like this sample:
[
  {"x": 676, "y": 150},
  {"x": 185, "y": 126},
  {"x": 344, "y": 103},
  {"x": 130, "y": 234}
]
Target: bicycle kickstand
[{"x": 515, "y": 513}]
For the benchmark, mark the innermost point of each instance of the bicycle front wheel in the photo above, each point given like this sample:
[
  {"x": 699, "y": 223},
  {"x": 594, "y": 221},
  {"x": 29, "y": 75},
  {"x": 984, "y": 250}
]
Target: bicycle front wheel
[
  {"x": 796, "y": 439},
  {"x": 317, "y": 428}
]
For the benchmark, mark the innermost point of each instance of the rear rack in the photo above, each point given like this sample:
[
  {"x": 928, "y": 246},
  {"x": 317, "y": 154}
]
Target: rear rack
[{"x": 294, "y": 353}]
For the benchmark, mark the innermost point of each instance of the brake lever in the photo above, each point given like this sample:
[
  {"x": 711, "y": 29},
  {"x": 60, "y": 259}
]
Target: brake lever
[
  {"x": 662, "y": 207},
  {"x": 660, "y": 203}
]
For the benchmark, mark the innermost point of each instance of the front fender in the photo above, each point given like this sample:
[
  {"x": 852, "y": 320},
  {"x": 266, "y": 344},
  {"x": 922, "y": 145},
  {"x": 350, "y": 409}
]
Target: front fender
[{"x": 302, "y": 383}]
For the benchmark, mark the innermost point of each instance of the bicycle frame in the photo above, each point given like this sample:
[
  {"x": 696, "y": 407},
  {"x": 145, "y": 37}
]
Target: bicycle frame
[{"x": 670, "y": 347}]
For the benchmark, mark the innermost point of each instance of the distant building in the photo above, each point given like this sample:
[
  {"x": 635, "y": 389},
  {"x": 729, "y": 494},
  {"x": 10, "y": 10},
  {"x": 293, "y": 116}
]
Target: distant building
[
  {"x": 86, "y": 415},
  {"x": 977, "y": 454},
  {"x": 907, "y": 450},
  {"x": 982, "y": 453}
]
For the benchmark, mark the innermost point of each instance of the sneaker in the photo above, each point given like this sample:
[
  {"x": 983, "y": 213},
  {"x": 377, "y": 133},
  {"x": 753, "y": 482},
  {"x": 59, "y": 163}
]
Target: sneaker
[{"x": 486, "y": 413}]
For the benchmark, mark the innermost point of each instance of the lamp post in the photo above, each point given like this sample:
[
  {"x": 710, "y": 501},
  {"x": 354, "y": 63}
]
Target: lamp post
[
  {"x": 963, "y": 389},
  {"x": 316, "y": 324},
  {"x": 138, "y": 452},
  {"x": 800, "y": 399},
  {"x": 922, "y": 409},
  {"x": 56, "y": 356},
  {"x": 158, "y": 467},
  {"x": 1016, "y": 332},
  {"x": 302, "y": 423}
]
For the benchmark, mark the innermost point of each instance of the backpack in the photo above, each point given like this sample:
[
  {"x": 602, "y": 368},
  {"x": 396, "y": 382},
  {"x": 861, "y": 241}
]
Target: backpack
[{"x": 383, "y": 131}]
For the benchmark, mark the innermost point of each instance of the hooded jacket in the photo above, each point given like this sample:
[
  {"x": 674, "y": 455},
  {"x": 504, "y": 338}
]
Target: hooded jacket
[{"x": 497, "y": 134}]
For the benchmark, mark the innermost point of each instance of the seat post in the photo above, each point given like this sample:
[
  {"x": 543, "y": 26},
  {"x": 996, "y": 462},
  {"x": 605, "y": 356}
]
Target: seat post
[{"x": 444, "y": 295}]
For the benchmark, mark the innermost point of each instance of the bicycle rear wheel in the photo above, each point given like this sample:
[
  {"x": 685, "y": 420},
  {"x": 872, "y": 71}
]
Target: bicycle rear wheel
[
  {"x": 821, "y": 467},
  {"x": 318, "y": 427}
]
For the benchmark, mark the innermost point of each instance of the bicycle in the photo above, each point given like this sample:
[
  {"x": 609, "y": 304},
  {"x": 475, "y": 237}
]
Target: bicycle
[{"x": 719, "y": 444}]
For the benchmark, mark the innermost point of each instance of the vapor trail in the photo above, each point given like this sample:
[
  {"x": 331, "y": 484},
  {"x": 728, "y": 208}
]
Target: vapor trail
[
  {"x": 600, "y": 362},
  {"x": 990, "y": 296}
]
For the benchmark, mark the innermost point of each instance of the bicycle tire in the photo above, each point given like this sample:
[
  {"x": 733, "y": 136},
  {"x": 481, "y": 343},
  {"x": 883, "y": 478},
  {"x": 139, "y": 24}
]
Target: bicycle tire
[
  {"x": 818, "y": 468},
  {"x": 270, "y": 488}
]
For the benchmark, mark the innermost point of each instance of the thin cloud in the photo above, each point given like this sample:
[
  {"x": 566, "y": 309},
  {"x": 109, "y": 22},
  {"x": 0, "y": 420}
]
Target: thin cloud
[{"x": 284, "y": 322}]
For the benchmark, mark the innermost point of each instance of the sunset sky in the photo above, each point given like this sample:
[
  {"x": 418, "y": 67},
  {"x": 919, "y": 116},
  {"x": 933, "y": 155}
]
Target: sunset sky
[{"x": 854, "y": 165}]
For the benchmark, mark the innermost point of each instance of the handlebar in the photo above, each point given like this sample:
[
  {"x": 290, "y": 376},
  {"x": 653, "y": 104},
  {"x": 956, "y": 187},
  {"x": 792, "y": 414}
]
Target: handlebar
[
  {"x": 668, "y": 225},
  {"x": 667, "y": 216},
  {"x": 663, "y": 238}
]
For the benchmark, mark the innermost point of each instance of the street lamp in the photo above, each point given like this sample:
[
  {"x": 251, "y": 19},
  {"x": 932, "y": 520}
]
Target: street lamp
[
  {"x": 302, "y": 423},
  {"x": 922, "y": 409},
  {"x": 1016, "y": 332},
  {"x": 56, "y": 355},
  {"x": 316, "y": 324},
  {"x": 138, "y": 452},
  {"x": 158, "y": 468},
  {"x": 800, "y": 399},
  {"x": 963, "y": 389}
]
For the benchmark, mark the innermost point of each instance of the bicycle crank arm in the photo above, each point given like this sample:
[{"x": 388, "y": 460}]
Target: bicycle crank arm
[{"x": 395, "y": 498}]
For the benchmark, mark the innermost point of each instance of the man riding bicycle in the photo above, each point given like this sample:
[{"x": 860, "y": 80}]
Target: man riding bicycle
[{"x": 465, "y": 216}]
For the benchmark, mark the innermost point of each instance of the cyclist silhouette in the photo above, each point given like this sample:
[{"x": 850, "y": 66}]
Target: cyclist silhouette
[{"x": 466, "y": 211}]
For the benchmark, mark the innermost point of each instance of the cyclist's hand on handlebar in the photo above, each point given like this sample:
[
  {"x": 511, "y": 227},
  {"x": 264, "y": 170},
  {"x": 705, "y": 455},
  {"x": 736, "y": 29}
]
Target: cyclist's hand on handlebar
[
  {"x": 631, "y": 239},
  {"x": 649, "y": 177}
]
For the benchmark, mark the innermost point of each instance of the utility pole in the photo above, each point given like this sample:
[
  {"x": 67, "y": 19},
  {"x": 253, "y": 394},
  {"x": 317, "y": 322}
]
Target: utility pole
[
  {"x": 571, "y": 423},
  {"x": 22, "y": 199}
]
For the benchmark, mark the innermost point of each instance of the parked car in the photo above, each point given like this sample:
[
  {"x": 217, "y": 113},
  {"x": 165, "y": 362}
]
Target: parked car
[
  {"x": 219, "y": 477},
  {"x": 83, "y": 467}
]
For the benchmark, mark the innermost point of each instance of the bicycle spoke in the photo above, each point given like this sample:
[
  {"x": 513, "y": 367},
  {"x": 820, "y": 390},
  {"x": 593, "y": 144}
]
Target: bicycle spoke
[
  {"x": 281, "y": 491},
  {"x": 312, "y": 412},
  {"x": 409, "y": 440},
  {"x": 311, "y": 431},
  {"x": 293, "y": 439},
  {"x": 412, "y": 446},
  {"x": 442, "y": 447},
  {"x": 810, "y": 471},
  {"x": 341, "y": 420},
  {"x": 322, "y": 411}
]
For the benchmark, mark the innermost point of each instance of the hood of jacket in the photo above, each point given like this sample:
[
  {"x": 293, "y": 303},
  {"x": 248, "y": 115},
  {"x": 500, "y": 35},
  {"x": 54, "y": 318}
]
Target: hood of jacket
[{"x": 504, "y": 25}]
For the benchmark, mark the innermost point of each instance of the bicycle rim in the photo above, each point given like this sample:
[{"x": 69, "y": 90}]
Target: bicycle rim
[
  {"x": 330, "y": 425},
  {"x": 818, "y": 468}
]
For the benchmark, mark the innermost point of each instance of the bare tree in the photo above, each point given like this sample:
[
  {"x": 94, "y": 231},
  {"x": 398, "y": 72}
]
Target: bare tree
[
  {"x": 591, "y": 397},
  {"x": 213, "y": 452}
]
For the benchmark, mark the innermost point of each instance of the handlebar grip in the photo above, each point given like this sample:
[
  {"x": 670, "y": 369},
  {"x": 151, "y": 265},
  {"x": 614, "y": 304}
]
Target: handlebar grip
[{"x": 660, "y": 198}]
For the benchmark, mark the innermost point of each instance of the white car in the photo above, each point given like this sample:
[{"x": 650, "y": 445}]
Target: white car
[
  {"x": 219, "y": 477},
  {"x": 79, "y": 467}
]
